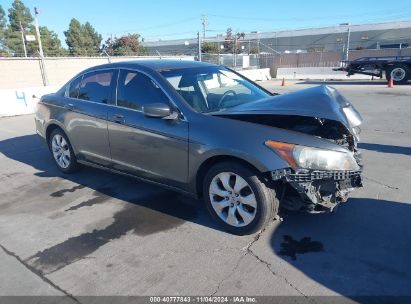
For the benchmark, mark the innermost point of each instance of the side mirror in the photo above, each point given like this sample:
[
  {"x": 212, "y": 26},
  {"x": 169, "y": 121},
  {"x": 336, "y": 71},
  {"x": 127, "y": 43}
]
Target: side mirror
[{"x": 158, "y": 110}]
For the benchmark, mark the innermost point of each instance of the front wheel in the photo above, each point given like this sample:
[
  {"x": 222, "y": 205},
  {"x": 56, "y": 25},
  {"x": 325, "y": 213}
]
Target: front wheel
[
  {"x": 399, "y": 73},
  {"x": 237, "y": 199}
]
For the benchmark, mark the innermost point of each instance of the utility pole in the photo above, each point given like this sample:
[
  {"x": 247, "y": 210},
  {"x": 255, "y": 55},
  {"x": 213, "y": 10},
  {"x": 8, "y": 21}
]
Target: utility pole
[
  {"x": 347, "y": 46},
  {"x": 199, "y": 46},
  {"x": 348, "y": 43},
  {"x": 204, "y": 22},
  {"x": 218, "y": 53},
  {"x": 23, "y": 40},
  {"x": 234, "y": 52},
  {"x": 36, "y": 13},
  {"x": 44, "y": 74}
]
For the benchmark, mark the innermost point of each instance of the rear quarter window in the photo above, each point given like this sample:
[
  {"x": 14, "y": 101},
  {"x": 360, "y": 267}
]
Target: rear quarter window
[
  {"x": 73, "y": 88},
  {"x": 96, "y": 86}
]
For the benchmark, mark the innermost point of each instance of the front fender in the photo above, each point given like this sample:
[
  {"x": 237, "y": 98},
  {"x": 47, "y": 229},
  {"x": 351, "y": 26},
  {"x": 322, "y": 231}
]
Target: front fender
[{"x": 264, "y": 160}]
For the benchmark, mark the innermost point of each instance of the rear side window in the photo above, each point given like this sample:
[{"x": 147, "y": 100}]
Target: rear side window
[
  {"x": 96, "y": 86},
  {"x": 136, "y": 89},
  {"x": 74, "y": 87}
]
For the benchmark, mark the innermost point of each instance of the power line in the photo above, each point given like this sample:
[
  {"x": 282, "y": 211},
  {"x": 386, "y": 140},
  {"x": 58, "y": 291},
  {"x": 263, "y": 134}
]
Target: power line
[
  {"x": 204, "y": 23},
  {"x": 396, "y": 12},
  {"x": 159, "y": 26}
]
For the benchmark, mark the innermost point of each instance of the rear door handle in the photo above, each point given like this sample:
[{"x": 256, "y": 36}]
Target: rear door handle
[
  {"x": 69, "y": 106},
  {"x": 118, "y": 118}
]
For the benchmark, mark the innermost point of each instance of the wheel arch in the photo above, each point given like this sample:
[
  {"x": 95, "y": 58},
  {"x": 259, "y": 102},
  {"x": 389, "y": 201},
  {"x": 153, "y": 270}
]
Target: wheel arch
[
  {"x": 52, "y": 125},
  {"x": 50, "y": 128},
  {"x": 211, "y": 161}
]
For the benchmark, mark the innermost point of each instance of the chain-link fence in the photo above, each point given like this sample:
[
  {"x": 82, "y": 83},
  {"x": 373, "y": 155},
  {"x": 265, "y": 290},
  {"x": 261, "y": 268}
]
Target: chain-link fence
[{"x": 311, "y": 59}]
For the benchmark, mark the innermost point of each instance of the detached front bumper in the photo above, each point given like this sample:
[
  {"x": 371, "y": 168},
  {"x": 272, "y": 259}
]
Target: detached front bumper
[{"x": 316, "y": 191}]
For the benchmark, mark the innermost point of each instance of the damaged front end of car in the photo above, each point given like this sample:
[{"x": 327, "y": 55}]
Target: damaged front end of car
[
  {"x": 315, "y": 191},
  {"x": 317, "y": 179}
]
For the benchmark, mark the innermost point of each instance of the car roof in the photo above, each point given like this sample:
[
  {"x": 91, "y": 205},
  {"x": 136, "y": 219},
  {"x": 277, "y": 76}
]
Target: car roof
[{"x": 154, "y": 64}]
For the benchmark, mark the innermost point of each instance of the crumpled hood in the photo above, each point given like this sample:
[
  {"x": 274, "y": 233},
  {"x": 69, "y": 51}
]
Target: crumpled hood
[{"x": 321, "y": 102}]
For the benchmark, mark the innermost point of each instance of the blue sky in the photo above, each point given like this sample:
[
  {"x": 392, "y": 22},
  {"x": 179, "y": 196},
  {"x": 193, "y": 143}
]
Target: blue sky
[{"x": 164, "y": 19}]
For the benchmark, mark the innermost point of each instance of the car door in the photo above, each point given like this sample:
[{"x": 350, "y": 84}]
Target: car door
[
  {"x": 152, "y": 148},
  {"x": 88, "y": 99}
]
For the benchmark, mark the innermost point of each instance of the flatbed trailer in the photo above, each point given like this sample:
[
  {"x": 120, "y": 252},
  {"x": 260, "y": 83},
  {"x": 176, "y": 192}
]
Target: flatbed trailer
[{"x": 397, "y": 68}]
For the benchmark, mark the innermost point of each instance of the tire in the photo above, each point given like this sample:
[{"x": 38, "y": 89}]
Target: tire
[
  {"x": 401, "y": 73},
  {"x": 235, "y": 211},
  {"x": 59, "y": 144}
]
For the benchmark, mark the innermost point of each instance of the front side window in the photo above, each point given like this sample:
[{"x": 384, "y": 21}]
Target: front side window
[
  {"x": 211, "y": 89},
  {"x": 96, "y": 86},
  {"x": 136, "y": 89}
]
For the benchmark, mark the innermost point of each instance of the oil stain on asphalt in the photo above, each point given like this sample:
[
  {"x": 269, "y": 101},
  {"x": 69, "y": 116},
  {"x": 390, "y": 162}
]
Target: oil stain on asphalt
[
  {"x": 154, "y": 214},
  {"x": 101, "y": 195},
  {"x": 60, "y": 193},
  {"x": 291, "y": 247}
]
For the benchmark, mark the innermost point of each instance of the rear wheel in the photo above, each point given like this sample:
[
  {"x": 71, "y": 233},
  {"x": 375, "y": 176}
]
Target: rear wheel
[
  {"x": 62, "y": 151},
  {"x": 399, "y": 73},
  {"x": 237, "y": 199}
]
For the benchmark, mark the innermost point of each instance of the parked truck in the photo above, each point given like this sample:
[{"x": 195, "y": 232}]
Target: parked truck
[{"x": 397, "y": 68}]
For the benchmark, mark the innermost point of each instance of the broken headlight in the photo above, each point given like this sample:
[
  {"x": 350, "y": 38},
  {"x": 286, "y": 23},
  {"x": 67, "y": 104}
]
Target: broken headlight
[{"x": 314, "y": 158}]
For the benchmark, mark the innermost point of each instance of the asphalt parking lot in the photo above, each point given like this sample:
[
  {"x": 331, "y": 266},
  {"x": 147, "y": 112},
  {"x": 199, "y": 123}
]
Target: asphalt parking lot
[{"x": 96, "y": 233}]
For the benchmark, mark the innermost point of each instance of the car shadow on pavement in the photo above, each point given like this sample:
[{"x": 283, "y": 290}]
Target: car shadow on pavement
[
  {"x": 361, "y": 250},
  {"x": 174, "y": 208},
  {"x": 385, "y": 148}
]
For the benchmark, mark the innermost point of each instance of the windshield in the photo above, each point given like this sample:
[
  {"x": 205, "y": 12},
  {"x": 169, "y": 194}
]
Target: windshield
[{"x": 211, "y": 89}]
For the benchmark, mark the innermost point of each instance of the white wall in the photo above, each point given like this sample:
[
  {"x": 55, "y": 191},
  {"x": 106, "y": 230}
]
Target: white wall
[
  {"x": 21, "y": 101},
  {"x": 26, "y": 72},
  {"x": 316, "y": 73},
  {"x": 256, "y": 74}
]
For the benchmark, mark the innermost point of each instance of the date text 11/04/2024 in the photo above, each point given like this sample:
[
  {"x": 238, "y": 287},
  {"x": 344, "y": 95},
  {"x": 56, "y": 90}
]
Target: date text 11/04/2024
[{"x": 203, "y": 299}]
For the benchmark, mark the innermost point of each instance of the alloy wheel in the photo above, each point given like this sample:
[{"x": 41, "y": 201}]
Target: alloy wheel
[
  {"x": 61, "y": 151},
  {"x": 233, "y": 199}
]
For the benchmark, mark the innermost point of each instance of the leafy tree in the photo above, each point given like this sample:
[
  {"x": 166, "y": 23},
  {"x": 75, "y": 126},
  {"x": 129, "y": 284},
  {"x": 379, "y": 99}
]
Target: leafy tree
[
  {"x": 82, "y": 39},
  {"x": 92, "y": 38},
  {"x": 108, "y": 46},
  {"x": 209, "y": 47},
  {"x": 229, "y": 40},
  {"x": 51, "y": 43},
  {"x": 124, "y": 46},
  {"x": 10, "y": 36},
  {"x": 3, "y": 23},
  {"x": 13, "y": 43},
  {"x": 74, "y": 37},
  {"x": 254, "y": 51},
  {"x": 20, "y": 13}
]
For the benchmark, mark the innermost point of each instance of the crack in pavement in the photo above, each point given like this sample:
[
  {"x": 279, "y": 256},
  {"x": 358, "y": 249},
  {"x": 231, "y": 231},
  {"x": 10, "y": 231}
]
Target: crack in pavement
[
  {"x": 229, "y": 275},
  {"x": 248, "y": 251},
  {"x": 381, "y": 184},
  {"x": 38, "y": 273},
  {"x": 386, "y": 131},
  {"x": 268, "y": 265},
  {"x": 253, "y": 254},
  {"x": 246, "y": 248}
]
